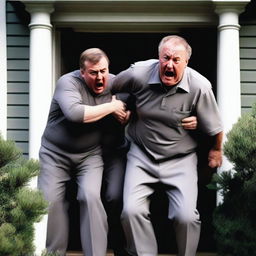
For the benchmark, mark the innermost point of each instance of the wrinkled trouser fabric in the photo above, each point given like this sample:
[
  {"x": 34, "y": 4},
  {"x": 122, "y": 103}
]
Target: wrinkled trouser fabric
[
  {"x": 112, "y": 193},
  {"x": 56, "y": 169},
  {"x": 179, "y": 177}
]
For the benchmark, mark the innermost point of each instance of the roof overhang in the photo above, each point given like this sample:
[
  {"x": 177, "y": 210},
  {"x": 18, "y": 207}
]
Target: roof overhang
[{"x": 133, "y": 15}]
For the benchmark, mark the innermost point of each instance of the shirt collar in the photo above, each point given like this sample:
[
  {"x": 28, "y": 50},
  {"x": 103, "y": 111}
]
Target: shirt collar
[
  {"x": 155, "y": 78},
  {"x": 183, "y": 84}
]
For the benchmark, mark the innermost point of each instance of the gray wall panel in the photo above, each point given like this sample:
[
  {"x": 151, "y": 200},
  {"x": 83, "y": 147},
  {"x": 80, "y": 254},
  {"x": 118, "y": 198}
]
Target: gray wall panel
[
  {"x": 17, "y": 75},
  {"x": 248, "y": 66}
]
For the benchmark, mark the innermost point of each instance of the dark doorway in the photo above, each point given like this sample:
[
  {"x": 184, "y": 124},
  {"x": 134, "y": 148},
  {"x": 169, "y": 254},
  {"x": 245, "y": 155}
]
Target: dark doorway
[{"x": 124, "y": 49}]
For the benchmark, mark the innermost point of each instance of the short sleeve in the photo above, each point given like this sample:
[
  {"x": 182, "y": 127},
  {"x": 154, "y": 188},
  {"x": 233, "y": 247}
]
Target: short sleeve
[{"x": 208, "y": 114}]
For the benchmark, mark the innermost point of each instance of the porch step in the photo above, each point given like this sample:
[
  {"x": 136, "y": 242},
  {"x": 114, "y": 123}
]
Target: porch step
[{"x": 75, "y": 253}]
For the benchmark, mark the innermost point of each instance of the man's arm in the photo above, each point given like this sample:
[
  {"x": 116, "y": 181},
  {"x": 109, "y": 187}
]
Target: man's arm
[
  {"x": 123, "y": 82},
  {"x": 215, "y": 153},
  {"x": 95, "y": 113},
  {"x": 69, "y": 99}
]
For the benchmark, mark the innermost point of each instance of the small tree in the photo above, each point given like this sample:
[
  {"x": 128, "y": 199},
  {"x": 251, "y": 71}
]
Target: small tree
[
  {"x": 234, "y": 219},
  {"x": 20, "y": 206}
]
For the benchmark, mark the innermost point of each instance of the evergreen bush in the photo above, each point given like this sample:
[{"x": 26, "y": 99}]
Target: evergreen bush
[
  {"x": 20, "y": 206},
  {"x": 234, "y": 218}
]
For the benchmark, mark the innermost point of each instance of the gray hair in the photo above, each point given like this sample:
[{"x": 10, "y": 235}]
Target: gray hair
[{"x": 176, "y": 40}]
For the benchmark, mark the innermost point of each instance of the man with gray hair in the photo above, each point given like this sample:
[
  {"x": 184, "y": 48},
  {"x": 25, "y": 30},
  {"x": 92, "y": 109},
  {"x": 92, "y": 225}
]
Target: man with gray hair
[{"x": 162, "y": 151}]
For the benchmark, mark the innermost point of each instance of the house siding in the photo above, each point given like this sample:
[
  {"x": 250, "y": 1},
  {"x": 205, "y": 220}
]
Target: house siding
[
  {"x": 17, "y": 75},
  {"x": 248, "y": 56},
  {"x": 248, "y": 66}
]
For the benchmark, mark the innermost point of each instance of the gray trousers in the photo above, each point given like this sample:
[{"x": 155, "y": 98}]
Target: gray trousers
[
  {"x": 112, "y": 193},
  {"x": 55, "y": 171},
  {"x": 179, "y": 176}
]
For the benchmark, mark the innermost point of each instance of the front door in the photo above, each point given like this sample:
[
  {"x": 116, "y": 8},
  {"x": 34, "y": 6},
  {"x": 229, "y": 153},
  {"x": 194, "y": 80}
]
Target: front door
[{"x": 124, "y": 49}]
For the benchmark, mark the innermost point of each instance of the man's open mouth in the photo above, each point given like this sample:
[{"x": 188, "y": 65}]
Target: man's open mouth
[
  {"x": 169, "y": 73},
  {"x": 99, "y": 85}
]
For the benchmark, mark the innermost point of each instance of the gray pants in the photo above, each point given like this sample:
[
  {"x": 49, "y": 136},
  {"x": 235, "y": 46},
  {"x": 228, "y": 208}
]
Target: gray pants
[
  {"x": 112, "y": 190},
  {"x": 179, "y": 176},
  {"x": 55, "y": 171}
]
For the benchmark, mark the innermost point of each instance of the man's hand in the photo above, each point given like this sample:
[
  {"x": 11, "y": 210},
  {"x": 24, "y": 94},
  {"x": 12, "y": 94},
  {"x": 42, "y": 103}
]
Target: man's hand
[
  {"x": 118, "y": 105},
  {"x": 123, "y": 120},
  {"x": 119, "y": 110},
  {"x": 189, "y": 123},
  {"x": 95, "y": 113},
  {"x": 215, "y": 158}
]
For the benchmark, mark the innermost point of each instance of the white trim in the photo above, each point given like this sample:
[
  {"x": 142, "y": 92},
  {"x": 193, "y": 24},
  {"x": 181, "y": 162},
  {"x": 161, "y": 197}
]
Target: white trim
[
  {"x": 3, "y": 71},
  {"x": 131, "y": 16},
  {"x": 40, "y": 73},
  {"x": 40, "y": 91},
  {"x": 228, "y": 69},
  {"x": 56, "y": 60}
]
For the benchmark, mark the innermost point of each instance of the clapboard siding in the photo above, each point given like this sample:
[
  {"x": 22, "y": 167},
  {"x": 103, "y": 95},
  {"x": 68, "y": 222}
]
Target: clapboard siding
[
  {"x": 248, "y": 88},
  {"x": 18, "y": 99},
  {"x": 23, "y": 41},
  {"x": 22, "y": 123},
  {"x": 248, "y": 100},
  {"x": 248, "y": 66},
  {"x": 18, "y": 112},
  {"x": 17, "y": 134},
  {"x": 18, "y": 64},
  {"x": 23, "y": 146},
  {"x": 17, "y": 87},
  {"x": 17, "y": 76},
  {"x": 11, "y": 16},
  {"x": 248, "y": 30},
  {"x": 248, "y": 42},
  {"x": 245, "y": 110},
  {"x": 248, "y": 75},
  {"x": 17, "y": 30},
  {"x": 248, "y": 53},
  {"x": 18, "y": 52}
]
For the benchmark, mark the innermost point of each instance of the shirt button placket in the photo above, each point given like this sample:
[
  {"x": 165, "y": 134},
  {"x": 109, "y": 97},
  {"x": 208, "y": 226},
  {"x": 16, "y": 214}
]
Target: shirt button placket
[{"x": 163, "y": 103}]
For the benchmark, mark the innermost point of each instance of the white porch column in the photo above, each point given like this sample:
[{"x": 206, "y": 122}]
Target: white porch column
[
  {"x": 228, "y": 66},
  {"x": 40, "y": 91},
  {"x": 40, "y": 73},
  {"x": 3, "y": 71}
]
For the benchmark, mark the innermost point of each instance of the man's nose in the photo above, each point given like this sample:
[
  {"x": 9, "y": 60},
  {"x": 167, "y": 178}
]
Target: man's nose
[
  {"x": 170, "y": 64},
  {"x": 99, "y": 75}
]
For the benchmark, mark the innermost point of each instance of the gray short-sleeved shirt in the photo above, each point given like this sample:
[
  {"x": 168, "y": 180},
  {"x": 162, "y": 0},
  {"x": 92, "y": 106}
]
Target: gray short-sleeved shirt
[
  {"x": 65, "y": 130},
  {"x": 156, "y": 126}
]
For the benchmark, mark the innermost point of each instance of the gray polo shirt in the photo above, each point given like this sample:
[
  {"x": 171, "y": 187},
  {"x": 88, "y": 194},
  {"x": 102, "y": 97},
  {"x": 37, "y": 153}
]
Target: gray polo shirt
[
  {"x": 156, "y": 125},
  {"x": 65, "y": 130}
]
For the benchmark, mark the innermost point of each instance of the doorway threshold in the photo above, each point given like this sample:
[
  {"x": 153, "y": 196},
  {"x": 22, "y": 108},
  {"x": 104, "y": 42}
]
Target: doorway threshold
[{"x": 109, "y": 253}]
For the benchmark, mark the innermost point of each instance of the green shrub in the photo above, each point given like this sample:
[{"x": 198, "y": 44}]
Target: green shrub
[
  {"x": 20, "y": 206},
  {"x": 234, "y": 218}
]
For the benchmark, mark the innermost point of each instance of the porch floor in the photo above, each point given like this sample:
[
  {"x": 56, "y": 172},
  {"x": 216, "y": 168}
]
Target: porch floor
[{"x": 109, "y": 253}]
